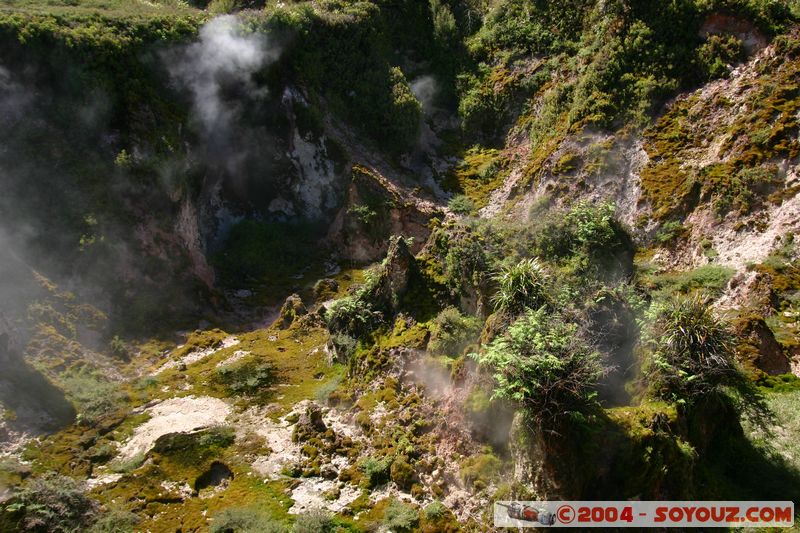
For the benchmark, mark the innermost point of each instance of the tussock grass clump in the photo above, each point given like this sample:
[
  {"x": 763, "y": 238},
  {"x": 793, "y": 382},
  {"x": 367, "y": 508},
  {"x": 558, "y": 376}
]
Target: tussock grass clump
[
  {"x": 692, "y": 350},
  {"x": 521, "y": 286}
]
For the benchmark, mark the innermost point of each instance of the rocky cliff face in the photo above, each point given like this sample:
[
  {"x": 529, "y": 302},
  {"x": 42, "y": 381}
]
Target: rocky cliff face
[{"x": 289, "y": 258}]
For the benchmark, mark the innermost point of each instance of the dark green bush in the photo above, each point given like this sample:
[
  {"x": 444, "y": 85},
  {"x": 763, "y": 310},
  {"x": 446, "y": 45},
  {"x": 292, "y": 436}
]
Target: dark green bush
[
  {"x": 352, "y": 316},
  {"x": 479, "y": 470},
  {"x": 256, "y": 250},
  {"x": 344, "y": 344},
  {"x": 376, "y": 471},
  {"x": 402, "y": 473},
  {"x": 710, "y": 279},
  {"x": 94, "y": 396},
  {"x": 115, "y": 521},
  {"x": 119, "y": 348},
  {"x": 670, "y": 231},
  {"x": 194, "y": 448},
  {"x": 53, "y": 503},
  {"x": 435, "y": 510},
  {"x": 363, "y": 214},
  {"x": 589, "y": 238},
  {"x": 344, "y": 54},
  {"x": 466, "y": 252},
  {"x": 717, "y": 53}
]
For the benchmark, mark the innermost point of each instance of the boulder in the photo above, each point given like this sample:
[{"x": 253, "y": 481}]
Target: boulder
[
  {"x": 292, "y": 309},
  {"x": 759, "y": 347}
]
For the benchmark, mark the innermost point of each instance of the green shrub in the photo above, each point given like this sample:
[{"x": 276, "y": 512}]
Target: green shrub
[
  {"x": 194, "y": 448},
  {"x": 781, "y": 383},
  {"x": 692, "y": 350},
  {"x": 95, "y": 397},
  {"x": 452, "y": 332},
  {"x": 128, "y": 465},
  {"x": 669, "y": 231},
  {"x": 461, "y": 205},
  {"x": 717, "y": 53},
  {"x": 521, "y": 286},
  {"x": 244, "y": 520},
  {"x": 595, "y": 226},
  {"x": 115, "y": 521},
  {"x": 542, "y": 363},
  {"x": 352, "y": 316},
  {"x": 376, "y": 471},
  {"x": 444, "y": 23},
  {"x": 363, "y": 214},
  {"x": 256, "y": 250},
  {"x": 316, "y": 521},
  {"x": 400, "y": 517},
  {"x": 435, "y": 510},
  {"x": 466, "y": 254},
  {"x": 345, "y": 346},
  {"x": 323, "y": 394},
  {"x": 588, "y": 238},
  {"x": 53, "y": 503},
  {"x": 406, "y": 109},
  {"x": 119, "y": 349},
  {"x": 711, "y": 279}
]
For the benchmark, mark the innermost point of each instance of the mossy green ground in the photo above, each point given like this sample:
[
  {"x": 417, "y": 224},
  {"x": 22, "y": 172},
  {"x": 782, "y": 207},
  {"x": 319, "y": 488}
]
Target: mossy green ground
[
  {"x": 301, "y": 370},
  {"x": 119, "y": 7}
]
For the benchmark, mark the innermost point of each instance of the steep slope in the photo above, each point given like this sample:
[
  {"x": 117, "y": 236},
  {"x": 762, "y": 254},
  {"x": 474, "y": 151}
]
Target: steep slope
[{"x": 374, "y": 265}]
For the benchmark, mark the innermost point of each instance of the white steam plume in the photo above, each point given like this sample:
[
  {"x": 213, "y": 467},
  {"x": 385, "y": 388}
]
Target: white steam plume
[
  {"x": 14, "y": 99},
  {"x": 225, "y": 55},
  {"x": 425, "y": 89}
]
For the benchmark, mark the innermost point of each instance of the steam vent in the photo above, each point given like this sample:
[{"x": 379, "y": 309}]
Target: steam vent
[{"x": 398, "y": 266}]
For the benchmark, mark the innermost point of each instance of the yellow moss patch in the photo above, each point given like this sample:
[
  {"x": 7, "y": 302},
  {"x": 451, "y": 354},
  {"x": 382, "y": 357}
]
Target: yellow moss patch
[{"x": 480, "y": 172}]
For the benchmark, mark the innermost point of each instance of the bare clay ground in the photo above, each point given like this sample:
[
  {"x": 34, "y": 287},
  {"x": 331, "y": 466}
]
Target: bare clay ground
[{"x": 176, "y": 415}]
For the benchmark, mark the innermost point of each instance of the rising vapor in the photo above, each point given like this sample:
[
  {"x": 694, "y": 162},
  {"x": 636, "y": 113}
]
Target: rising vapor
[{"x": 225, "y": 56}]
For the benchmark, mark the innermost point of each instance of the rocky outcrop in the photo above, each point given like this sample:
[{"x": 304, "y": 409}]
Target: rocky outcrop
[
  {"x": 293, "y": 308},
  {"x": 395, "y": 276},
  {"x": 758, "y": 346},
  {"x": 376, "y": 209},
  {"x": 528, "y": 453}
]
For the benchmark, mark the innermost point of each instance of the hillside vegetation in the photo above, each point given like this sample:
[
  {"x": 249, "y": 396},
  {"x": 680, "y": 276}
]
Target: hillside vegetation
[{"x": 350, "y": 265}]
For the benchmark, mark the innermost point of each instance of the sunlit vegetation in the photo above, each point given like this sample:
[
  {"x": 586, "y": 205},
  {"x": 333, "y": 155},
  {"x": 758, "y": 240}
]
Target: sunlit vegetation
[{"x": 567, "y": 345}]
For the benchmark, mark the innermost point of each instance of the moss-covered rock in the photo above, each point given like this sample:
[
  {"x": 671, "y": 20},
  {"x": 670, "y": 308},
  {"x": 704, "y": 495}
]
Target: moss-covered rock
[
  {"x": 293, "y": 308},
  {"x": 757, "y": 345}
]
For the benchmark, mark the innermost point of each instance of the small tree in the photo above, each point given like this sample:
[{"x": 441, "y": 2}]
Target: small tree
[
  {"x": 521, "y": 286},
  {"x": 692, "y": 350},
  {"x": 445, "y": 30},
  {"x": 543, "y": 364}
]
